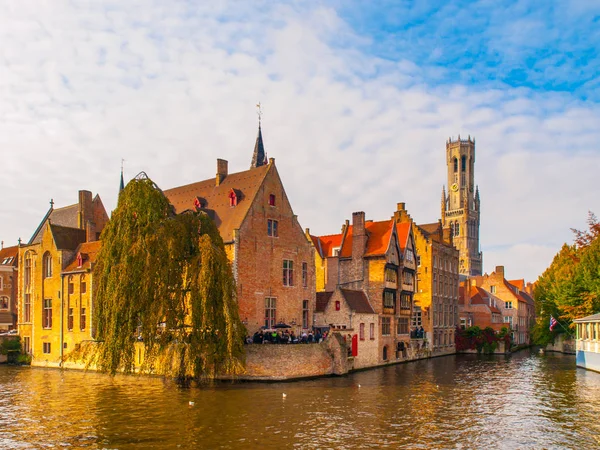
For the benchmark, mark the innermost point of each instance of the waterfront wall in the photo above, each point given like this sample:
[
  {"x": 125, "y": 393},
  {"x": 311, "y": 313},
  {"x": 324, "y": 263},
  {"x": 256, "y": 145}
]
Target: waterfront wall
[
  {"x": 562, "y": 344},
  {"x": 282, "y": 362}
]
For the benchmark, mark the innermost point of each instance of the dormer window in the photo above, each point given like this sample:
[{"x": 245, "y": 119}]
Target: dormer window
[
  {"x": 272, "y": 200},
  {"x": 335, "y": 251},
  {"x": 199, "y": 203},
  {"x": 233, "y": 198},
  {"x": 79, "y": 260}
]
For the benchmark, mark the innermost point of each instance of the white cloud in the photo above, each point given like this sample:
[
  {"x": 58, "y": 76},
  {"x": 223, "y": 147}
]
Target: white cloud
[{"x": 172, "y": 89}]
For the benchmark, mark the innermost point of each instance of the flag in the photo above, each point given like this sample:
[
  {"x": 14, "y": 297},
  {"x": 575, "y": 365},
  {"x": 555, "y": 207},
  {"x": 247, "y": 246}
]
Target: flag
[
  {"x": 197, "y": 203},
  {"x": 553, "y": 323}
]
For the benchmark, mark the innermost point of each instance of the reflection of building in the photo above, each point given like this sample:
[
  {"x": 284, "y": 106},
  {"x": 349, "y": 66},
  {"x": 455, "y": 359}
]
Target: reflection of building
[
  {"x": 8, "y": 287},
  {"x": 55, "y": 307},
  {"x": 376, "y": 263},
  {"x": 436, "y": 297},
  {"x": 272, "y": 262},
  {"x": 461, "y": 207},
  {"x": 516, "y": 304}
]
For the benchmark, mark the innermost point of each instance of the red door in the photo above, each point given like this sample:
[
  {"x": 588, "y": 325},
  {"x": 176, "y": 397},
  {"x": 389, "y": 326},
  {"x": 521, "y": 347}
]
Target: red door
[{"x": 355, "y": 345}]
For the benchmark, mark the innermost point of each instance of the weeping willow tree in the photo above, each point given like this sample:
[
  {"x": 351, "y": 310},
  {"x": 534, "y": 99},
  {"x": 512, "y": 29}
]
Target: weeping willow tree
[{"x": 164, "y": 283}]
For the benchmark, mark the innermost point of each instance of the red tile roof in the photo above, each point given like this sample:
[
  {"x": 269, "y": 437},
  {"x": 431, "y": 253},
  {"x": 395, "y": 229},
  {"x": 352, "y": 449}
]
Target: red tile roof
[
  {"x": 322, "y": 301},
  {"x": 403, "y": 230},
  {"x": 227, "y": 218},
  {"x": 357, "y": 301},
  {"x": 326, "y": 244},
  {"x": 378, "y": 238},
  {"x": 8, "y": 256},
  {"x": 519, "y": 284},
  {"x": 89, "y": 252}
]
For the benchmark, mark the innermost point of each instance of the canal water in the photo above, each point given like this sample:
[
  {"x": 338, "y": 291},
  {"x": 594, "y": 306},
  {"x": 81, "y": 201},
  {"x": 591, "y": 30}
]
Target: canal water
[{"x": 525, "y": 400}]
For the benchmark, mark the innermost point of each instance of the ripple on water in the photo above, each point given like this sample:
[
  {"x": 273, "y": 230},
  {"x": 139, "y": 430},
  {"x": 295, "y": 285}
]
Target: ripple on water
[{"x": 522, "y": 401}]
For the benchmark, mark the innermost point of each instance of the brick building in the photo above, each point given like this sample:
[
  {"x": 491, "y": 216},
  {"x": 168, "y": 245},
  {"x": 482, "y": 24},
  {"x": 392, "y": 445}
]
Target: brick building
[
  {"x": 272, "y": 262},
  {"x": 461, "y": 208},
  {"x": 436, "y": 297},
  {"x": 478, "y": 307},
  {"x": 9, "y": 264},
  {"x": 55, "y": 307},
  {"x": 375, "y": 261},
  {"x": 517, "y": 306}
]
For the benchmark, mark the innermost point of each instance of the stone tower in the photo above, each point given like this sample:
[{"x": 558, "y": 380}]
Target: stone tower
[{"x": 461, "y": 206}]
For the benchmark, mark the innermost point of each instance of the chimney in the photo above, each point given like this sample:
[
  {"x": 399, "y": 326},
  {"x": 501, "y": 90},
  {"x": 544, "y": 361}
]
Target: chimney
[
  {"x": 500, "y": 270},
  {"x": 331, "y": 273},
  {"x": 359, "y": 235},
  {"x": 221, "y": 171},
  {"x": 86, "y": 211}
]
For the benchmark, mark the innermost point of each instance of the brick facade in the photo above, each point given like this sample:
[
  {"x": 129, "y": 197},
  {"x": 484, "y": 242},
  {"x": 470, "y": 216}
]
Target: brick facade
[{"x": 9, "y": 259}]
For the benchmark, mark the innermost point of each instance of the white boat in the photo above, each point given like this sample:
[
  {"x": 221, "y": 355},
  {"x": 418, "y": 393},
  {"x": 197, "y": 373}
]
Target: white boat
[{"x": 588, "y": 342}]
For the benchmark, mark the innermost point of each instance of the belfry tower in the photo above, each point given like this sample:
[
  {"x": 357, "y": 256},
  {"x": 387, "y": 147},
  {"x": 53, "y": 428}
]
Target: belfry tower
[{"x": 461, "y": 207}]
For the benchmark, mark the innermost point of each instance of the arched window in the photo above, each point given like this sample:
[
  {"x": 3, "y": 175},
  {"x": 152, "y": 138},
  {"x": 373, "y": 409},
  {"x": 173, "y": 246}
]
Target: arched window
[
  {"x": 455, "y": 165},
  {"x": 3, "y": 302},
  {"x": 385, "y": 353},
  {"x": 463, "y": 163},
  {"x": 456, "y": 228},
  {"x": 47, "y": 261},
  {"x": 82, "y": 285},
  {"x": 451, "y": 228}
]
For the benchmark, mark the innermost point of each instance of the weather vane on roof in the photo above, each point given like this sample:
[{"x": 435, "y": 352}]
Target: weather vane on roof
[{"x": 259, "y": 112}]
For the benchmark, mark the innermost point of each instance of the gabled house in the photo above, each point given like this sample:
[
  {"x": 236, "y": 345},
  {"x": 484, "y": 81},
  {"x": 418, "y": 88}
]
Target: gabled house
[
  {"x": 272, "y": 262},
  {"x": 518, "y": 310},
  {"x": 349, "y": 313},
  {"x": 9, "y": 272},
  {"x": 478, "y": 307},
  {"x": 44, "y": 314},
  {"x": 436, "y": 296},
  {"x": 377, "y": 260}
]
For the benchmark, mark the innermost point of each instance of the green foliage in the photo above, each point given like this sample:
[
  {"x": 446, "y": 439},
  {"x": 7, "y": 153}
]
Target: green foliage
[
  {"x": 484, "y": 341},
  {"x": 164, "y": 281},
  {"x": 12, "y": 344},
  {"x": 570, "y": 287}
]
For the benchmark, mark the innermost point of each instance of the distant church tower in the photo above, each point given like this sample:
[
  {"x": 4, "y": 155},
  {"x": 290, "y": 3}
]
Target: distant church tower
[{"x": 461, "y": 207}]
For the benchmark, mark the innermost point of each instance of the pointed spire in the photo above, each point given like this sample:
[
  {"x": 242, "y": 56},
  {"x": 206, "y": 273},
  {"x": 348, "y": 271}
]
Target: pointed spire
[
  {"x": 122, "y": 184},
  {"x": 443, "y": 200},
  {"x": 259, "y": 157}
]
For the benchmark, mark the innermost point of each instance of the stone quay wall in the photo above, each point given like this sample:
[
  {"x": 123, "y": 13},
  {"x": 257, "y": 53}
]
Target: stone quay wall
[{"x": 562, "y": 345}]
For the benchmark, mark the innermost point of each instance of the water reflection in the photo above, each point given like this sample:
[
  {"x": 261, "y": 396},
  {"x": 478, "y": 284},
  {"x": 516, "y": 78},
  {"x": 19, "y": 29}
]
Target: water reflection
[{"x": 521, "y": 401}]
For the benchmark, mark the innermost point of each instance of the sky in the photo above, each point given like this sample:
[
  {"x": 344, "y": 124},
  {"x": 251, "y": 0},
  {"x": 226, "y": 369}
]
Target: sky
[{"x": 358, "y": 100}]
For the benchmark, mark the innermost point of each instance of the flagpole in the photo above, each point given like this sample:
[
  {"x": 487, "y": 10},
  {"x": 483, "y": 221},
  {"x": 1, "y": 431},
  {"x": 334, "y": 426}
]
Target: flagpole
[{"x": 566, "y": 329}]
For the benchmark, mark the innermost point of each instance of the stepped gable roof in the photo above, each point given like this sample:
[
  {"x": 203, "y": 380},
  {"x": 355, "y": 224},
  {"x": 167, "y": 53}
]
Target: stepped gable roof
[
  {"x": 8, "y": 256},
  {"x": 89, "y": 252},
  {"x": 403, "y": 230},
  {"x": 227, "y": 218},
  {"x": 378, "y": 238},
  {"x": 67, "y": 216},
  {"x": 326, "y": 244},
  {"x": 357, "y": 301},
  {"x": 322, "y": 301},
  {"x": 67, "y": 238},
  {"x": 592, "y": 318}
]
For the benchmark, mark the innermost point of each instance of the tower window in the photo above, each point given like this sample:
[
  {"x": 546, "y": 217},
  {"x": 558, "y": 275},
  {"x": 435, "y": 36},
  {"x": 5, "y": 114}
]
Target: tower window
[
  {"x": 451, "y": 228},
  {"x": 455, "y": 165},
  {"x": 463, "y": 163},
  {"x": 457, "y": 229}
]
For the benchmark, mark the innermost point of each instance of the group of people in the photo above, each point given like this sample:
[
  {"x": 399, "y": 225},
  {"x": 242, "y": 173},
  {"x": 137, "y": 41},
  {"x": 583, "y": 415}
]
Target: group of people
[
  {"x": 418, "y": 333},
  {"x": 286, "y": 337}
]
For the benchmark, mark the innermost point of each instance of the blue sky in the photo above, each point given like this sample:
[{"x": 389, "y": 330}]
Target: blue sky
[{"x": 358, "y": 99}]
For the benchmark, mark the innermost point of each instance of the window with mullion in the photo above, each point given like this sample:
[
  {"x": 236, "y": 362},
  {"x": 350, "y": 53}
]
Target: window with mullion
[
  {"x": 288, "y": 272},
  {"x": 47, "y": 314}
]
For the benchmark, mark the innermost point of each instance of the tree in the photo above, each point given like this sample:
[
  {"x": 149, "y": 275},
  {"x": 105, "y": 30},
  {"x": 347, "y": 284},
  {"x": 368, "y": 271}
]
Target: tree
[
  {"x": 164, "y": 281},
  {"x": 570, "y": 287}
]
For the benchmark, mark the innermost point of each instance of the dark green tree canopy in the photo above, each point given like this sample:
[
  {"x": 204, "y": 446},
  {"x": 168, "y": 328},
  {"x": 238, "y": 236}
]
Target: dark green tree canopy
[{"x": 163, "y": 281}]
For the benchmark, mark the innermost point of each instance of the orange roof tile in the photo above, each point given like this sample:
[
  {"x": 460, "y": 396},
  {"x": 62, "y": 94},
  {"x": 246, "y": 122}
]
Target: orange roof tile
[
  {"x": 326, "y": 244},
  {"x": 378, "y": 238},
  {"x": 89, "y": 252},
  {"x": 519, "y": 284},
  {"x": 8, "y": 256},
  {"x": 403, "y": 230},
  {"x": 227, "y": 218}
]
